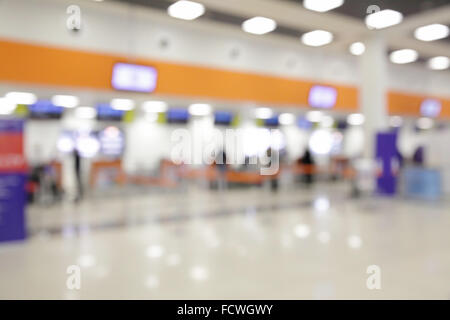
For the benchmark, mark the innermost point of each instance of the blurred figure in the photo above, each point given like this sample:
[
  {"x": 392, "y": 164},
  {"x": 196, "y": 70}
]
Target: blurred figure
[
  {"x": 221, "y": 165},
  {"x": 274, "y": 161},
  {"x": 307, "y": 162},
  {"x": 77, "y": 168}
]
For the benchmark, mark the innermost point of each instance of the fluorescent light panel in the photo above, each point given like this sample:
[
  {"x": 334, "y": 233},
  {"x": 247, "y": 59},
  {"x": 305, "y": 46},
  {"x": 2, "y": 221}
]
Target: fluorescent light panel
[
  {"x": 199, "y": 109},
  {"x": 322, "y": 5},
  {"x": 383, "y": 19},
  {"x": 154, "y": 106},
  {"x": 317, "y": 38},
  {"x": 122, "y": 104},
  {"x": 85, "y": 112},
  {"x": 403, "y": 56},
  {"x": 186, "y": 10},
  {"x": 259, "y": 25},
  {"x": 263, "y": 113},
  {"x": 286, "y": 118},
  {"x": 21, "y": 97},
  {"x": 432, "y": 32},
  {"x": 65, "y": 101}
]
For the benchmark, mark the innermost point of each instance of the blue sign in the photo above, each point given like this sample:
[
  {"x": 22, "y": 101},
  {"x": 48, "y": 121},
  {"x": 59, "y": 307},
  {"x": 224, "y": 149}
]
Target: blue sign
[
  {"x": 12, "y": 180},
  {"x": 12, "y": 206},
  {"x": 387, "y": 157}
]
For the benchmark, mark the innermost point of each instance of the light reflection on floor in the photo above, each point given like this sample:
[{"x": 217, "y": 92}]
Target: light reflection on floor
[{"x": 244, "y": 244}]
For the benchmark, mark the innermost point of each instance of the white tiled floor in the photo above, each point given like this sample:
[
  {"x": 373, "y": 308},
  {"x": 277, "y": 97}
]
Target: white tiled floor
[{"x": 243, "y": 244}]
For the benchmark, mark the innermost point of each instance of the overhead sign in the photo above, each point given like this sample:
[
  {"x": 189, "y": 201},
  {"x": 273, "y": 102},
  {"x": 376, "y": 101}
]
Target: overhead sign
[
  {"x": 134, "y": 77},
  {"x": 322, "y": 97}
]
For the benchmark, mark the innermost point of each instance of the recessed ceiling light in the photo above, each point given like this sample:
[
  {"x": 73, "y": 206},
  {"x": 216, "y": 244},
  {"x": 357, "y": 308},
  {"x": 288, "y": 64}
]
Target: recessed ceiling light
[
  {"x": 186, "y": 10},
  {"x": 21, "y": 97},
  {"x": 65, "y": 101},
  {"x": 286, "y": 119},
  {"x": 383, "y": 19},
  {"x": 357, "y": 48},
  {"x": 404, "y": 56},
  {"x": 322, "y": 5},
  {"x": 263, "y": 113},
  {"x": 122, "y": 104},
  {"x": 154, "y": 106},
  {"x": 439, "y": 63},
  {"x": 432, "y": 32},
  {"x": 259, "y": 25},
  {"x": 355, "y": 119},
  {"x": 317, "y": 38},
  {"x": 200, "y": 109}
]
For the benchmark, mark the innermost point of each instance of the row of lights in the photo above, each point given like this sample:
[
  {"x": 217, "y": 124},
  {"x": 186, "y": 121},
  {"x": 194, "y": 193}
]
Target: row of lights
[
  {"x": 196, "y": 109},
  {"x": 189, "y": 10}
]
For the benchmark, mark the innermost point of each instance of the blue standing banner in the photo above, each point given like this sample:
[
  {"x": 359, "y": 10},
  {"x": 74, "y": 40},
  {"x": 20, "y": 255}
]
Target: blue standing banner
[
  {"x": 12, "y": 180},
  {"x": 388, "y": 161}
]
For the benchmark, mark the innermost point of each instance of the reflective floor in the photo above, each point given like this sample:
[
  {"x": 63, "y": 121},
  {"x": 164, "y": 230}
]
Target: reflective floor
[{"x": 242, "y": 244}]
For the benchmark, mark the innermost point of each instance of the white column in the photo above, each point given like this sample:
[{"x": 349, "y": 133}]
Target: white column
[{"x": 373, "y": 94}]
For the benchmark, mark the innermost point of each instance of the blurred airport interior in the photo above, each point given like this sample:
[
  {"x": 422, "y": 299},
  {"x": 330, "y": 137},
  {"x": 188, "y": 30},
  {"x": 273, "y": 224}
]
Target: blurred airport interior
[{"x": 238, "y": 149}]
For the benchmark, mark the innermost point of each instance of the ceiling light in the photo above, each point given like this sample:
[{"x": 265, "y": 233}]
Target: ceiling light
[
  {"x": 404, "y": 56},
  {"x": 357, "y": 48},
  {"x": 6, "y": 106},
  {"x": 186, "y": 10},
  {"x": 439, "y": 63},
  {"x": 154, "y": 106},
  {"x": 85, "y": 112},
  {"x": 122, "y": 104},
  {"x": 317, "y": 38},
  {"x": 314, "y": 116},
  {"x": 425, "y": 123},
  {"x": 322, "y": 5},
  {"x": 383, "y": 19},
  {"x": 259, "y": 25},
  {"x": 199, "y": 109},
  {"x": 355, "y": 119},
  {"x": 286, "y": 119},
  {"x": 432, "y": 32},
  {"x": 21, "y": 97},
  {"x": 65, "y": 101},
  {"x": 263, "y": 113}
]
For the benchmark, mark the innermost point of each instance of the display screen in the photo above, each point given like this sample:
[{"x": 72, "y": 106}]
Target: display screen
[
  {"x": 177, "y": 115},
  {"x": 271, "y": 122},
  {"x": 322, "y": 97},
  {"x": 223, "y": 117},
  {"x": 133, "y": 77},
  {"x": 106, "y": 113},
  {"x": 45, "y": 109}
]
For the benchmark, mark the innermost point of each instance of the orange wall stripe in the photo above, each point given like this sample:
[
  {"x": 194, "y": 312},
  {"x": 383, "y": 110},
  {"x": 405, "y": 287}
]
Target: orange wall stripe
[
  {"x": 34, "y": 64},
  {"x": 408, "y": 104}
]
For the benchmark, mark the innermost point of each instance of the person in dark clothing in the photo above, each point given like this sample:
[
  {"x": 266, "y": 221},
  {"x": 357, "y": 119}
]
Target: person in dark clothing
[
  {"x": 77, "y": 167},
  {"x": 307, "y": 161}
]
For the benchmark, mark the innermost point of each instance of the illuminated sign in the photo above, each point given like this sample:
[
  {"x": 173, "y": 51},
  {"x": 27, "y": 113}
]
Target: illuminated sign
[
  {"x": 322, "y": 97},
  {"x": 133, "y": 77},
  {"x": 430, "y": 108}
]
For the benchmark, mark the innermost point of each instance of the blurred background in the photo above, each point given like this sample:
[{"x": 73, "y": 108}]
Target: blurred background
[{"x": 134, "y": 136}]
